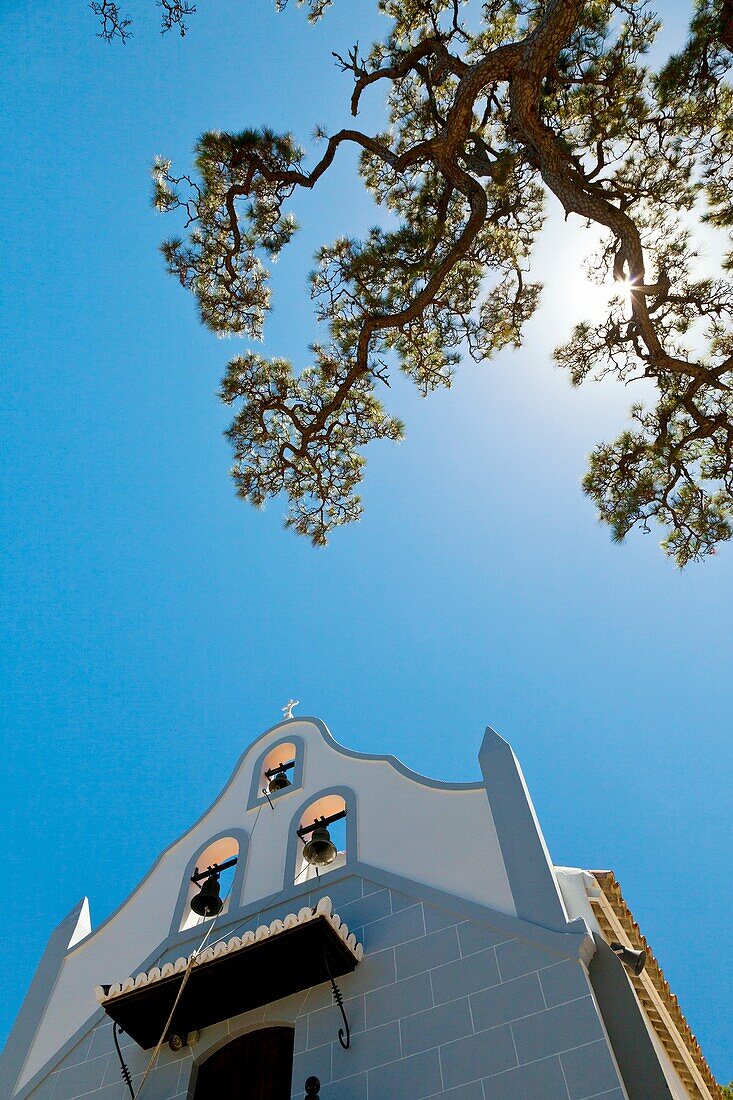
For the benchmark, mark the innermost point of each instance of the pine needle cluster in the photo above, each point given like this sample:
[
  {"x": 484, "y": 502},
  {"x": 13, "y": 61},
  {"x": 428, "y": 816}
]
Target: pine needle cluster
[{"x": 490, "y": 111}]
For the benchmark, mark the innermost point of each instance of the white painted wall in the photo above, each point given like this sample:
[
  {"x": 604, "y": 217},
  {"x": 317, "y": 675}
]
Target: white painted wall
[
  {"x": 439, "y": 836},
  {"x": 576, "y": 887}
]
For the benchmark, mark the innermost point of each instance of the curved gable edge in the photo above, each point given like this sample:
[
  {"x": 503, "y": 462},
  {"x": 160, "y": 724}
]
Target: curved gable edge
[{"x": 239, "y": 766}]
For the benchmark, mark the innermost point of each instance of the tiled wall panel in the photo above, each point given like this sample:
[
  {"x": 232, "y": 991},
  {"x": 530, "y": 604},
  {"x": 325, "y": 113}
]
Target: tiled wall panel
[{"x": 439, "y": 1007}]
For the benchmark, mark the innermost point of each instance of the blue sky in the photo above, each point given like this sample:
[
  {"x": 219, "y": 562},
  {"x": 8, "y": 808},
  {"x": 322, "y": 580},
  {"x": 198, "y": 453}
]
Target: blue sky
[{"x": 155, "y": 624}]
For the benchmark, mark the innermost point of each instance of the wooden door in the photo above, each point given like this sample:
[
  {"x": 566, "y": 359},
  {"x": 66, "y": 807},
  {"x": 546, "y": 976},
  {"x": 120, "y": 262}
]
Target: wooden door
[{"x": 256, "y": 1066}]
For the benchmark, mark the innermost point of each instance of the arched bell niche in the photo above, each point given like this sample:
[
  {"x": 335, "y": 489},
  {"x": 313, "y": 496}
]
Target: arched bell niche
[
  {"x": 282, "y": 761},
  {"x": 219, "y": 849},
  {"x": 342, "y": 832},
  {"x": 257, "y": 1065},
  {"x": 279, "y": 762}
]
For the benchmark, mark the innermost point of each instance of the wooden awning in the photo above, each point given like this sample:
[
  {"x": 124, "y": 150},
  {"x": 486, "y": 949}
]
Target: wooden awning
[{"x": 283, "y": 958}]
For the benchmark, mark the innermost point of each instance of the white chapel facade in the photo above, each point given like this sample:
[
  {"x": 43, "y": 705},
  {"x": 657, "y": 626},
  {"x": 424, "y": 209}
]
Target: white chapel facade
[{"x": 319, "y": 932}]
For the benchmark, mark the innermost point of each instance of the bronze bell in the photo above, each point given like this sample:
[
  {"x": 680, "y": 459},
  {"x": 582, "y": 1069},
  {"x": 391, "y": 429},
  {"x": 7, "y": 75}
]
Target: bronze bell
[
  {"x": 278, "y": 782},
  {"x": 320, "y": 849},
  {"x": 208, "y": 903}
]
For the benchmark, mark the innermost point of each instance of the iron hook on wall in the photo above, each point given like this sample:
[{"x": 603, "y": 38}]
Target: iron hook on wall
[
  {"x": 124, "y": 1068},
  {"x": 344, "y": 1037}
]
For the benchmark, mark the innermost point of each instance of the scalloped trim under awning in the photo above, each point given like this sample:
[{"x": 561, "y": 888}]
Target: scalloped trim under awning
[{"x": 234, "y": 976}]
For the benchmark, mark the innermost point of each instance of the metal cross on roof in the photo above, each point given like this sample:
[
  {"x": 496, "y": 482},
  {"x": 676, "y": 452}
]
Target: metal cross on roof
[{"x": 288, "y": 708}]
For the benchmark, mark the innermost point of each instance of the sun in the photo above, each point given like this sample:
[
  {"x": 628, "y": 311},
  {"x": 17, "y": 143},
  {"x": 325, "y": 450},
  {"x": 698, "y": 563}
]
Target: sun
[{"x": 624, "y": 287}]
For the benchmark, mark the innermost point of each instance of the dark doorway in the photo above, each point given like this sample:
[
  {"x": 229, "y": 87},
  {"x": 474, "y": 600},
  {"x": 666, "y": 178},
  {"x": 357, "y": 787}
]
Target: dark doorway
[{"x": 256, "y": 1066}]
